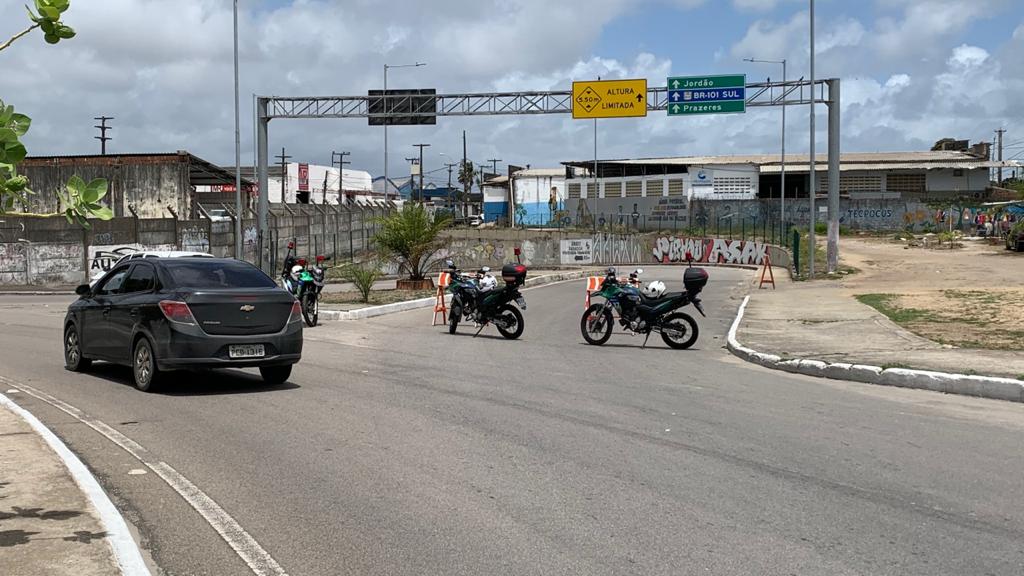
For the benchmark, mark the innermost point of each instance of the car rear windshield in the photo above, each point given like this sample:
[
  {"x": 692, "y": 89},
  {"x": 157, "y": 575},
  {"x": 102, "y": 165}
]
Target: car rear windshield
[{"x": 210, "y": 273}]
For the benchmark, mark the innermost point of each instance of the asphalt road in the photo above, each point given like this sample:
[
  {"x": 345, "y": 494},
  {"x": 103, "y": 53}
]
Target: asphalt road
[{"x": 398, "y": 449}]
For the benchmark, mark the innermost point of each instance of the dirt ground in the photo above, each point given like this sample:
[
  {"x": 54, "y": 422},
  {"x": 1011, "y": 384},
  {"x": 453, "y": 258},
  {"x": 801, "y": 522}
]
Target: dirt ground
[{"x": 972, "y": 297}]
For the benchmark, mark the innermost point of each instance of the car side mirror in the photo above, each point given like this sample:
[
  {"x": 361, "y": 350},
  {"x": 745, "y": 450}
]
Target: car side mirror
[{"x": 82, "y": 289}]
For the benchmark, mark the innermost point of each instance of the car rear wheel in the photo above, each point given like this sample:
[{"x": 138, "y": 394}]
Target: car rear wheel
[
  {"x": 144, "y": 368},
  {"x": 275, "y": 374},
  {"x": 73, "y": 359}
]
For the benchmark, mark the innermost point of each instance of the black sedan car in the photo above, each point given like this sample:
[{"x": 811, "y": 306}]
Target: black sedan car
[{"x": 163, "y": 314}]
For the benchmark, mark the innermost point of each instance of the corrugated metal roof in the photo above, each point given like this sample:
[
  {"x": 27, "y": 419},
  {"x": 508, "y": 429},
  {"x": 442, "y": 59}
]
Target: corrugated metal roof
[
  {"x": 851, "y": 166},
  {"x": 541, "y": 172},
  {"x": 939, "y": 157}
]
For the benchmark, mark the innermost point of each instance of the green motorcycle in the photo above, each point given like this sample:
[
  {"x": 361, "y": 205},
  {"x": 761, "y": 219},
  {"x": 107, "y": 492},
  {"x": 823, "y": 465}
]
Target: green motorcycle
[{"x": 641, "y": 314}]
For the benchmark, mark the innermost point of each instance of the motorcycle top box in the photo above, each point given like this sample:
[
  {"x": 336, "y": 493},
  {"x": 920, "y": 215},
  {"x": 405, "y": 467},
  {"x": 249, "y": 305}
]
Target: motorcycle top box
[
  {"x": 695, "y": 279},
  {"x": 514, "y": 274}
]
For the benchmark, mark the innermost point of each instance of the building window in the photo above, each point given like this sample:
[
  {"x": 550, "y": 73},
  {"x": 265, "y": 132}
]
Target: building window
[
  {"x": 634, "y": 188},
  {"x": 574, "y": 190},
  {"x": 655, "y": 188},
  {"x": 675, "y": 187},
  {"x": 905, "y": 183},
  {"x": 854, "y": 182},
  {"x": 732, "y": 185}
]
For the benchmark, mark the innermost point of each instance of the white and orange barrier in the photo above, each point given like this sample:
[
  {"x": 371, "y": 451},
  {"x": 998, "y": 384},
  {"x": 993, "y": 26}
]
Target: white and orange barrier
[
  {"x": 594, "y": 284},
  {"x": 443, "y": 281}
]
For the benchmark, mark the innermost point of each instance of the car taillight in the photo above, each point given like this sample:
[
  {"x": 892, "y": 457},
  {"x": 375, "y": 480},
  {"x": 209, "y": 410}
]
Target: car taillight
[
  {"x": 178, "y": 312},
  {"x": 296, "y": 315}
]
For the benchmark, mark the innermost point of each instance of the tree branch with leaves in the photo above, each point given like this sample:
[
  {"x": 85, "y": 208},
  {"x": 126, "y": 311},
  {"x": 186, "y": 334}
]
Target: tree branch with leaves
[{"x": 79, "y": 201}]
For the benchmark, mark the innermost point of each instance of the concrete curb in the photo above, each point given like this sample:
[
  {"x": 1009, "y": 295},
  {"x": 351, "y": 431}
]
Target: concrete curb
[
  {"x": 126, "y": 551},
  {"x": 964, "y": 384},
  {"x": 373, "y": 311}
]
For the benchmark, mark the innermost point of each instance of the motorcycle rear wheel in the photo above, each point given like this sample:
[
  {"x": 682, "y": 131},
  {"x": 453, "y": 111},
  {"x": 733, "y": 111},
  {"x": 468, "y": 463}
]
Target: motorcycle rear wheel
[
  {"x": 596, "y": 325},
  {"x": 513, "y": 324},
  {"x": 683, "y": 330}
]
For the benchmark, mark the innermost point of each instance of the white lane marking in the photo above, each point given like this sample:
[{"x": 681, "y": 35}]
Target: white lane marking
[
  {"x": 126, "y": 551},
  {"x": 248, "y": 549},
  {"x": 736, "y": 322}
]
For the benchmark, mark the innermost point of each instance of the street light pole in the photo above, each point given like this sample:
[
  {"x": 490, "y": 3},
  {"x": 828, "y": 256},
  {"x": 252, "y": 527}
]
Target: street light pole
[
  {"x": 238, "y": 151},
  {"x": 811, "y": 248},
  {"x": 782, "y": 200},
  {"x": 387, "y": 118}
]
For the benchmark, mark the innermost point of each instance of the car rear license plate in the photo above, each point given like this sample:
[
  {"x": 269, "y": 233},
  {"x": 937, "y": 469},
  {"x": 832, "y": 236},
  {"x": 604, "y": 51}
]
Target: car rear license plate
[
  {"x": 246, "y": 351},
  {"x": 521, "y": 302}
]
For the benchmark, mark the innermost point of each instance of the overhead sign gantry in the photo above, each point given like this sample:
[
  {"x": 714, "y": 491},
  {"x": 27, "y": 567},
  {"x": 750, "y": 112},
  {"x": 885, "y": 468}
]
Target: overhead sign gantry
[{"x": 418, "y": 104}]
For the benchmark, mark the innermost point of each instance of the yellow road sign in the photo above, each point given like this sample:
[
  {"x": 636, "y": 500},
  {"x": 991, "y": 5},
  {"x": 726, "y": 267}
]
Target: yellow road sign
[{"x": 609, "y": 98}]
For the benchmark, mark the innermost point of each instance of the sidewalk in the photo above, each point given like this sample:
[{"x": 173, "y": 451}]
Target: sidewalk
[
  {"x": 822, "y": 320},
  {"x": 47, "y": 525}
]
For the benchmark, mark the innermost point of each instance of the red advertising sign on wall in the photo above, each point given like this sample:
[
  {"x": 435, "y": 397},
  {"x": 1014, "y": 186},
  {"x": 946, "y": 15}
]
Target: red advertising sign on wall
[{"x": 303, "y": 177}]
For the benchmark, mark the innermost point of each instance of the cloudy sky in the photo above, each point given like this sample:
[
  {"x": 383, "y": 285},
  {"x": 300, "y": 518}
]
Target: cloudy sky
[{"x": 913, "y": 71}]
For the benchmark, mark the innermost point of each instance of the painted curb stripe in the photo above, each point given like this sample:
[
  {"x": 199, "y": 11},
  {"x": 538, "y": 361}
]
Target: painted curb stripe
[
  {"x": 962, "y": 384},
  {"x": 248, "y": 549}
]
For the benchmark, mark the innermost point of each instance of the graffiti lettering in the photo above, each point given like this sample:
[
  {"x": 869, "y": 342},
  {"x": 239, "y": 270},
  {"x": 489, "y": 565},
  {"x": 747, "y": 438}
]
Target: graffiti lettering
[
  {"x": 671, "y": 249},
  {"x": 195, "y": 239}
]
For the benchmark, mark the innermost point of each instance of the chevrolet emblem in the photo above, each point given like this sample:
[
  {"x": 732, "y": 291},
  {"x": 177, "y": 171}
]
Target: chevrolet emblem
[{"x": 247, "y": 308}]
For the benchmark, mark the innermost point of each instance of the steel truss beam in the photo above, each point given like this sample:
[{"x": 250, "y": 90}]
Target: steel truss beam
[{"x": 792, "y": 93}]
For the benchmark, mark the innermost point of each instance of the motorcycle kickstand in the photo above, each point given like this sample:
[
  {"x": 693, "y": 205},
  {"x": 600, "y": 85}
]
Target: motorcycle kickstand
[
  {"x": 482, "y": 326},
  {"x": 644, "y": 345}
]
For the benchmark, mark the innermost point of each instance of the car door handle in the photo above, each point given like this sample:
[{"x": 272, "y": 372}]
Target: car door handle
[{"x": 134, "y": 312}]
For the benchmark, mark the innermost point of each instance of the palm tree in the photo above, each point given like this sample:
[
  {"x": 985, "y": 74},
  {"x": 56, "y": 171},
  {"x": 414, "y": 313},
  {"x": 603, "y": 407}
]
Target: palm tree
[{"x": 411, "y": 235}]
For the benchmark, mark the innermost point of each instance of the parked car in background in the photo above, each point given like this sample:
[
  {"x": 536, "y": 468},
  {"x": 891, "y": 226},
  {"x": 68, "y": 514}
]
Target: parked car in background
[
  {"x": 147, "y": 254},
  {"x": 218, "y": 215},
  {"x": 162, "y": 314},
  {"x": 474, "y": 221},
  {"x": 1015, "y": 237}
]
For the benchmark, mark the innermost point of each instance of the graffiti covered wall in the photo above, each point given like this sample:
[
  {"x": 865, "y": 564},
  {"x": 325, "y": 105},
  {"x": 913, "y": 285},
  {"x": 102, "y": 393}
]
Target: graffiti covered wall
[{"x": 669, "y": 250}]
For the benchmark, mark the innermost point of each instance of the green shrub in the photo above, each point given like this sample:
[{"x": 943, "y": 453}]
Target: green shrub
[{"x": 362, "y": 275}]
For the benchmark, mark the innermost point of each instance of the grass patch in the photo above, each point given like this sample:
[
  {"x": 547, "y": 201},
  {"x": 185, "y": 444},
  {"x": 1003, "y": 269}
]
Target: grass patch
[
  {"x": 884, "y": 304},
  {"x": 376, "y": 297},
  {"x": 895, "y": 365}
]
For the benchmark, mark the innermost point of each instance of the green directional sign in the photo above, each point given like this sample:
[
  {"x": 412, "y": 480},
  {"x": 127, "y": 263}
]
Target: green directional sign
[
  {"x": 727, "y": 107},
  {"x": 689, "y": 95}
]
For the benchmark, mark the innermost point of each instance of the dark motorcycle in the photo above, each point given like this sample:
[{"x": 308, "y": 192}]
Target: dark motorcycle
[
  {"x": 473, "y": 301},
  {"x": 305, "y": 283},
  {"x": 642, "y": 315}
]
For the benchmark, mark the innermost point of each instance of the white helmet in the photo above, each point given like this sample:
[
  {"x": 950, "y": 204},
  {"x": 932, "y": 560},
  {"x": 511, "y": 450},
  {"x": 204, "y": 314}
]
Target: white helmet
[
  {"x": 654, "y": 289},
  {"x": 297, "y": 271},
  {"x": 488, "y": 283}
]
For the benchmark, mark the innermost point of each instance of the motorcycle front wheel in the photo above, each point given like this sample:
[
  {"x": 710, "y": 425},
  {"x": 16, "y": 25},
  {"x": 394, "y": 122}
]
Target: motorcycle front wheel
[
  {"x": 679, "y": 330},
  {"x": 311, "y": 308},
  {"x": 596, "y": 325},
  {"x": 509, "y": 321}
]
